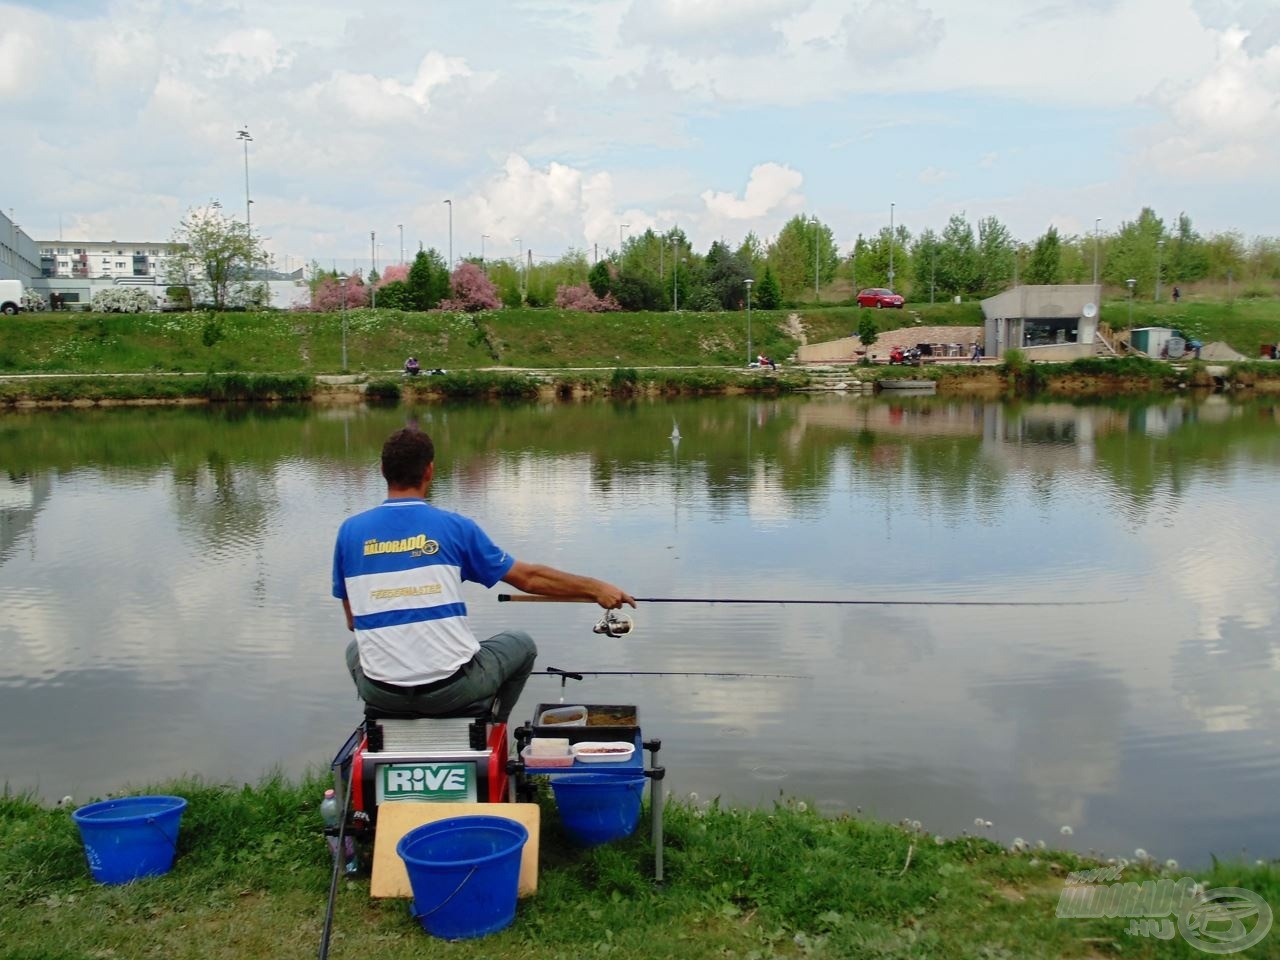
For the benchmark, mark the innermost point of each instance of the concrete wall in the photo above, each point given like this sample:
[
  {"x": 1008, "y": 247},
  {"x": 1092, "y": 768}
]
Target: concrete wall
[
  {"x": 1005, "y": 313},
  {"x": 832, "y": 351}
]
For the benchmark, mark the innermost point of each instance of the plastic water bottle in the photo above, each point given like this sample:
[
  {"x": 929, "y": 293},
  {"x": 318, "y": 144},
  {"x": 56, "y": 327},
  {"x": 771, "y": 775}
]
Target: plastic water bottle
[{"x": 331, "y": 814}]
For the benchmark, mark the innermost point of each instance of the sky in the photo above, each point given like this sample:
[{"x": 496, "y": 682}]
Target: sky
[{"x": 562, "y": 124}]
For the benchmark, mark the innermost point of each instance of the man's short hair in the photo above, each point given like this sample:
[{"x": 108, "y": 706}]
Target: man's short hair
[{"x": 405, "y": 456}]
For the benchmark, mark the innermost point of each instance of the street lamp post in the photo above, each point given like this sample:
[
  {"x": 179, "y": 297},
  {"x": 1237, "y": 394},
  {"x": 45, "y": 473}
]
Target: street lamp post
[
  {"x": 675, "y": 278},
  {"x": 748, "y": 282},
  {"x": 1159, "y": 253},
  {"x": 342, "y": 284},
  {"x": 814, "y": 221},
  {"x": 621, "y": 227},
  {"x": 483, "y": 238},
  {"x": 450, "y": 203},
  {"x": 1097, "y": 225},
  {"x": 401, "y": 226},
  {"x": 520, "y": 266},
  {"x": 1132, "y": 283},
  {"x": 891, "y": 246},
  {"x": 244, "y": 135}
]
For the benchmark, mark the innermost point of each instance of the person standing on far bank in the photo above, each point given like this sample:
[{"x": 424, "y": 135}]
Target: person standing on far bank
[{"x": 398, "y": 570}]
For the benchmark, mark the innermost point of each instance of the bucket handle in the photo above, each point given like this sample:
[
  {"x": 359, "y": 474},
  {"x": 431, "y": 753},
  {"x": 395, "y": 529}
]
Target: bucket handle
[
  {"x": 443, "y": 903},
  {"x": 172, "y": 841}
]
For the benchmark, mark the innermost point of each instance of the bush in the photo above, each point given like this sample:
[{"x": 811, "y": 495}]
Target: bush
[
  {"x": 124, "y": 300},
  {"x": 583, "y": 298},
  {"x": 178, "y": 298},
  {"x": 33, "y": 301},
  {"x": 387, "y": 390}
]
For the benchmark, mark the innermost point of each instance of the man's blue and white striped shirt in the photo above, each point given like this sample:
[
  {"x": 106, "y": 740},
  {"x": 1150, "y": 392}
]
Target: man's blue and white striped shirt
[{"x": 400, "y": 566}]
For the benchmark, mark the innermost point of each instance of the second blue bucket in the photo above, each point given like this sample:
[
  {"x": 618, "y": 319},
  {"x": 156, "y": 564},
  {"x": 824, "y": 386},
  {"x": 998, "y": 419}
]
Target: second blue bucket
[
  {"x": 596, "y": 808},
  {"x": 131, "y": 837},
  {"x": 465, "y": 874}
]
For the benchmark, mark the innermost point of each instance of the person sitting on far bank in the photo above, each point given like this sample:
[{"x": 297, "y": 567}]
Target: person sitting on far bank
[
  {"x": 411, "y": 366},
  {"x": 398, "y": 570}
]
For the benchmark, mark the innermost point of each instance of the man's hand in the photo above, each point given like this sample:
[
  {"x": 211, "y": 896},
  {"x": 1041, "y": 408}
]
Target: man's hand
[{"x": 547, "y": 581}]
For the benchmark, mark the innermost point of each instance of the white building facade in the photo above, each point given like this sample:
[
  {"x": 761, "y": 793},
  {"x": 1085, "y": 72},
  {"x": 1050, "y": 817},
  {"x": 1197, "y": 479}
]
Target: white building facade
[{"x": 89, "y": 260}]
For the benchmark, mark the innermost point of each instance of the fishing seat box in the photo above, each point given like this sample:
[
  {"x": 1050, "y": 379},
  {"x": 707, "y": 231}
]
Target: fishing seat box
[{"x": 461, "y": 759}]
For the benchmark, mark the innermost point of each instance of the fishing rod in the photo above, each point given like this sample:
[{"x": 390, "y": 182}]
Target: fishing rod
[
  {"x": 531, "y": 598},
  {"x": 579, "y": 674}
]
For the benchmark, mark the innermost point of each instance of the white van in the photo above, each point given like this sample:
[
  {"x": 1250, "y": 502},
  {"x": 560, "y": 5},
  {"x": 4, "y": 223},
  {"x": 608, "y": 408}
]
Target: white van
[{"x": 10, "y": 296}]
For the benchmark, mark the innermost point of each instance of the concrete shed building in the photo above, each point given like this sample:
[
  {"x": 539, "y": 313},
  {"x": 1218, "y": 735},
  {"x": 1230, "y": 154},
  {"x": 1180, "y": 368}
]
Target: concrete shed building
[{"x": 1051, "y": 322}]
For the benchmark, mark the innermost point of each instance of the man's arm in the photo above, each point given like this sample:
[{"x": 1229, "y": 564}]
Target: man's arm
[
  {"x": 346, "y": 608},
  {"x": 549, "y": 582}
]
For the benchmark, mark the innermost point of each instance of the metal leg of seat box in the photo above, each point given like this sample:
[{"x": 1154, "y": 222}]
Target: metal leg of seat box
[{"x": 655, "y": 774}]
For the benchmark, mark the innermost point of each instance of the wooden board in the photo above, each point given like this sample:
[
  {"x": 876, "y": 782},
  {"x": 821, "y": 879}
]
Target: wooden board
[{"x": 390, "y": 879}]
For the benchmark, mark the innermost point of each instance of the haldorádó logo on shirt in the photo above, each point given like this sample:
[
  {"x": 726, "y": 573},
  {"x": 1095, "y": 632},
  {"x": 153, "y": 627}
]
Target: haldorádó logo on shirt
[
  {"x": 390, "y": 593},
  {"x": 420, "y": 544}
]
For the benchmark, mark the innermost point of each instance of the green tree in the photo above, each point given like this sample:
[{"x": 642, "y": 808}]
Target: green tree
[
  {"x": 924, "y": 260},
  {"x": 1045, "y": 265},
  {"x": 601, "y": 279},
  {"x": 871, "y": 257},
  {"x": 997, "y": 251},
  {"x": 428, "y": 281},
  {"x": 1132, "y": 253},
  {"x": 1187, "y": 260},
  {"x": 768, "y": 293},
  {"x": 217, "y": 258},
  {"x": 867, "y": 331},
  {"x": 725, "y": 272},
  {"x": 958, "y": 258}
]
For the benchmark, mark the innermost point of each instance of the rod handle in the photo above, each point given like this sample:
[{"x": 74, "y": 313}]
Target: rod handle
[{"x": 531, "y": 598}]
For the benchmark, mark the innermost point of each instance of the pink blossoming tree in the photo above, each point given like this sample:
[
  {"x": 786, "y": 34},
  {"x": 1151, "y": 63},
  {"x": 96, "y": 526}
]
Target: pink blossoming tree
[
  {"x": 582, "y": 297},
  {"x": 472, "y": 290}
]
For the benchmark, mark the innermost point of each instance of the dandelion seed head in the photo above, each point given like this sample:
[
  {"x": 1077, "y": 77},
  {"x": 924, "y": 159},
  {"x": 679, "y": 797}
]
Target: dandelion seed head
[
  {"x": 1066, "y": 830},
  {"x": 1171, "y": 864}
]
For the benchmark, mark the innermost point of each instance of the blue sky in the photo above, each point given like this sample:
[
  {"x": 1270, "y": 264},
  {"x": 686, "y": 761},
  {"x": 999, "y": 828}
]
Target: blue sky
[{"x": 551, "y": 122}]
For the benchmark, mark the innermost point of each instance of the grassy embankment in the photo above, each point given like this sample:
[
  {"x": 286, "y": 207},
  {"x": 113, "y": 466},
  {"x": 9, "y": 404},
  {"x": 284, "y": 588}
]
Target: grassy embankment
[
  {"x": 277, "y": 355},
  {"x": 252, "y": 874}
]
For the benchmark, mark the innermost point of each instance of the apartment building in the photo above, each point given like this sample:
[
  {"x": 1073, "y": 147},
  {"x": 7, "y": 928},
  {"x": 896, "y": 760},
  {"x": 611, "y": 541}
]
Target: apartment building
[
  {"x": 19, "y": 259},
  {"x": 87, "y": 260}
]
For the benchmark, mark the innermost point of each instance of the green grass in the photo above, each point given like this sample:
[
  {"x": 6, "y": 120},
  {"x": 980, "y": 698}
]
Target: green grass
[{"x": 252, "y": 872}]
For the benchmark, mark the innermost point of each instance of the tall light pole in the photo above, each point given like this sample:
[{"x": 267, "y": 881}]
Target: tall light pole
[
  {"x": 1097, "y": 226},
  {"x": 401, "y": 226},
  {"x": 342, "y": 284},
  {"x": 814, "y": 221},
  {"x": 373, "y": 267},
  {"x": 621, "y": 227},
  {"x": 450, "y": 203},
  {"x": 1132, "y": 283},
  {"x": 1159, "y": 252},
  {"x": 520, "y": 265},
  {"x": 748, "y": 282},
  {"x": 483, "y": 238},
  {"x": 244, "y": 135},
  {"x": 891, "y": 246},
  {"x": 675, "y": 277}
]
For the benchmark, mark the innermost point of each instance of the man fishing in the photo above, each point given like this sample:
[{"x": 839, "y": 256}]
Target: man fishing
[{"x": 398, "y": 570}]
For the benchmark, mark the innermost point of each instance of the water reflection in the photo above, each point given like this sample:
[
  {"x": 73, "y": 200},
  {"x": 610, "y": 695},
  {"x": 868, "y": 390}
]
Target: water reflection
[{"x": 167, "y": 599}]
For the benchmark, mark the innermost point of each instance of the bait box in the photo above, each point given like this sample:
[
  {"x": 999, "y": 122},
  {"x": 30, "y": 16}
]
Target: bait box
[{"x": 605, "y": 721}]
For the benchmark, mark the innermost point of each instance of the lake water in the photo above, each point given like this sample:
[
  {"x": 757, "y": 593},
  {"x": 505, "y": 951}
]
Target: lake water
[{"x": 164, "y": 575}]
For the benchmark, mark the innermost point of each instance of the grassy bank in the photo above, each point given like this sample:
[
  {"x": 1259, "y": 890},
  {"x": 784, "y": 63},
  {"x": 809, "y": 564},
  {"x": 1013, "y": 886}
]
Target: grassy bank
[{"x": 252, "y": 876}]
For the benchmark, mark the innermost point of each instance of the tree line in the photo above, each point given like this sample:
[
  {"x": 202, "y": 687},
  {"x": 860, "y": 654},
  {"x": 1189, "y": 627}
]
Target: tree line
[{"x": 662, "y": 271}]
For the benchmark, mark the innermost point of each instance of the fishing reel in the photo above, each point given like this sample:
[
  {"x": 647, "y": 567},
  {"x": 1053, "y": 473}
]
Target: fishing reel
[{"x": 614, "y": 624}]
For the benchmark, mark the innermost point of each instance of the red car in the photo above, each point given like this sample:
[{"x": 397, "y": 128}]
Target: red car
[{"x": 879, "y": 297}]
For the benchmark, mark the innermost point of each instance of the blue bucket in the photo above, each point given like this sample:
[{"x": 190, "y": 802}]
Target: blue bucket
[
  {"x": 598, "y": 807},
  {"x": 465, "y": 873},
  {"x": 131, "y": 837}
]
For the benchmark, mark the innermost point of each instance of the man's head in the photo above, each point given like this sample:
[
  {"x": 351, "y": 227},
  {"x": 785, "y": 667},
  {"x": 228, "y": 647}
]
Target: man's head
[{"x": 405, "y": 458}]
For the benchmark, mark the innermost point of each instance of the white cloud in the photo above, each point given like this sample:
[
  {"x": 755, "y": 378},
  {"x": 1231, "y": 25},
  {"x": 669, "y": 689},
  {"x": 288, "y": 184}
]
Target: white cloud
[
  {"x": 1227, "y": 123},
  {"x": 932, "y": 176},
  {"x": 707, "y": 26},
  {"x": 883, "y": 30},
  {"x": 370, "y": 100},
  {"x": 249, "y": 54},
  {"x": 771, "y": 186},
  {"x": 1259, "y": 19}
]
